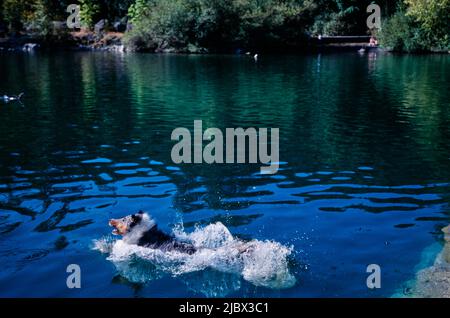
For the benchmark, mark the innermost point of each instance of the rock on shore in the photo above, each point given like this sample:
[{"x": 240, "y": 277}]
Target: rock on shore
[{"x": 434, "y": 281}]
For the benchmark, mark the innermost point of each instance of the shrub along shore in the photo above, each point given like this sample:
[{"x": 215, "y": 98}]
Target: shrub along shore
[{"x": 226, "y": 26}]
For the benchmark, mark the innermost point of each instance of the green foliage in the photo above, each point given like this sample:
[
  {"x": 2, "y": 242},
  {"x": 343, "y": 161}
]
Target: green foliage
[
  {"x": 340, "y": 17},
  {"x": 433, "y": 17},
  {"x": 415, "y": 27},
  {"x": 19, "y": 14},
  {"x": 431, "y": 14},
  {"x": 195, "y": 25},
  {"x": 216, "y": 24},
  {"x": 114, "y": 9},
  {"x": 40, "y": 22},
  {"x": 16, "y": 12},
  {"x": 398, "y": 32},
  {"x": 89, "y": 10},
  {"x": 138, "y": 11},
  {"x": 336, "y": 23}
]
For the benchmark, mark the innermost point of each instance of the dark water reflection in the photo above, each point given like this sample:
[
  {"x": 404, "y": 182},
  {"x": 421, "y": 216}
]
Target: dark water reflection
[{"x": 364, "y": 175}]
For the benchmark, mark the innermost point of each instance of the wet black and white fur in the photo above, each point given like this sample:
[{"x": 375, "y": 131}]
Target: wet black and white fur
[{"x": 141, "y": 229}]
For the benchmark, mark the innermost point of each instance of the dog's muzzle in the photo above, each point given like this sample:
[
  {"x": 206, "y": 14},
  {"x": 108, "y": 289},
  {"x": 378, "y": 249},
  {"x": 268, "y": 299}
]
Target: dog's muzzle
[{"x": 118, "y": 227}]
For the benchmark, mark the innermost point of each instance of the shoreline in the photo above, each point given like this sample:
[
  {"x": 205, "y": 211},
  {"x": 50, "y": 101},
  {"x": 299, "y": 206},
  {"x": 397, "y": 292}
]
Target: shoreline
[
  {"x": 112, "y": 42},
  {"x": 433, "y": 279}
]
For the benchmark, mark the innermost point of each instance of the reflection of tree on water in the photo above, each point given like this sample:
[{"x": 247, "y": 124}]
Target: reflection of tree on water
[
  {"x": 229, "y": 92},
  {"x": 371, "y": 61},
  {"x": 149, "y": 96},
  {"x": 324, "y": 133}
]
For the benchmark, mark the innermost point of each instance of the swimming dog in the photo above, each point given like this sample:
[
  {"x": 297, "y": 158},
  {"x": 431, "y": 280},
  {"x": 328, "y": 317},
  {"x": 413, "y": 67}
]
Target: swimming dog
[{"x": 141, "y": 229}]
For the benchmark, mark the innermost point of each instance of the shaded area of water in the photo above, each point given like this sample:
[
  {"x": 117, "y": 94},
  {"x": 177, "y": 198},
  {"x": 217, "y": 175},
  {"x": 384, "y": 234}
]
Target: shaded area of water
[{"x": 364, "y": 175}]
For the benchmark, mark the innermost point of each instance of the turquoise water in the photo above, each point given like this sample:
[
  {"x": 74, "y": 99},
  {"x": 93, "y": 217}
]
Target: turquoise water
[{"x": 364, "y": 175}]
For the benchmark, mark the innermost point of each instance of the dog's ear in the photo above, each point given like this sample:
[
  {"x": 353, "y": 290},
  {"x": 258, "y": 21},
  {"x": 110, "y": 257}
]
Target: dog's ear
[
  {"x": 136, "y": 217},
  {"x": 140, "y": 212}
]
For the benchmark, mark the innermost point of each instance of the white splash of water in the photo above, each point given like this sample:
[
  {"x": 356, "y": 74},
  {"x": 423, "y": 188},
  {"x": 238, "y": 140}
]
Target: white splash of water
[
  {"x": 262, "y": 263},
  {"x": 104, "y": 245}
]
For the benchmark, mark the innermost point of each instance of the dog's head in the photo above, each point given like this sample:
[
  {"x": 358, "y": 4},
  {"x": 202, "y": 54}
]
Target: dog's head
[{"x": 128, "y": 223}]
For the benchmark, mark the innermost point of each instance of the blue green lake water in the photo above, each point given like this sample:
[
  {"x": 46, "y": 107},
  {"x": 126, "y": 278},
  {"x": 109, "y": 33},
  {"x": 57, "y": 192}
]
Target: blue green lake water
[{"x": 364, "y": 172}]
